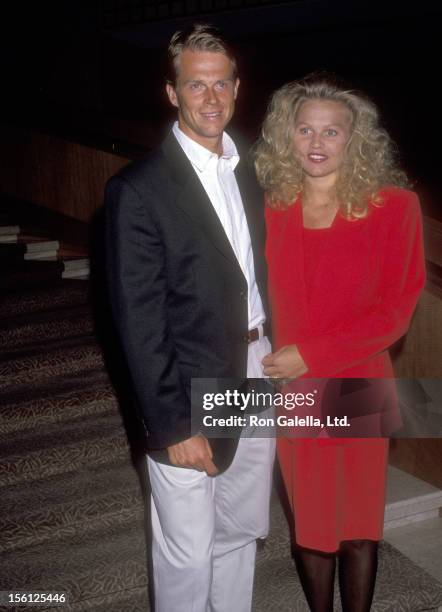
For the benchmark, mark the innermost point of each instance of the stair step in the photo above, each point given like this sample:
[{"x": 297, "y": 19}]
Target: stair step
[
  {"x": 6, "y": 230},
  {"x": 40, "y": 221},
  {"x": 101, "y": 564},
  {"x": 82, "y": 274},
  {"x": 40, "y": 249},
  {"x": 29, "y": 301},
  {"x": 135, "y": 599},
  {"x": 39, "y": 246},
  {"x": 46, "y": 313},
  {"x": 18, "y": 413},
  {"x": 9, "y": 233},
  {"x": 76, "y": 322},
  {"x": 8, "y": 238},
  {"x": 422, "y": 543},
  {"x": 50, "y": 366},
  {"x": 26, "y": 248},
  {"x": 76, "y": 263},
  {"x": 409, "y": 499},
  {"x": 41, "y": 256},
  {"x": 78, "y": 503},
  {"x": 18, "y": 245},
  {"x": 53, "y": 450},
  {"x": 76, "y": 268}
]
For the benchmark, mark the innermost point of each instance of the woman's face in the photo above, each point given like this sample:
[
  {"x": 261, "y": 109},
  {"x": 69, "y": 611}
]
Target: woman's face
[{"x": 321, "y": 132}]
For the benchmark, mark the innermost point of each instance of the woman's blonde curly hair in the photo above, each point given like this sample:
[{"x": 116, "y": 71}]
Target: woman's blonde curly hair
[{"x": 369, "y": 163}]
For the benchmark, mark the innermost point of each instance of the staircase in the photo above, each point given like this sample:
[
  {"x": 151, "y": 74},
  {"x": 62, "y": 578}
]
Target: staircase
[
  {"x": 71, "y": 512},
  {"x": 31, "y": 255},
  {"x": 410, "y": 500}
]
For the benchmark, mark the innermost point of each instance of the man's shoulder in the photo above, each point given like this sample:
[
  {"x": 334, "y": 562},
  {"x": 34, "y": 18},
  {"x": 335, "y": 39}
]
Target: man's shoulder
[
  {"x": 165, "y": 167},
  {"x": 142, "y": 172}
]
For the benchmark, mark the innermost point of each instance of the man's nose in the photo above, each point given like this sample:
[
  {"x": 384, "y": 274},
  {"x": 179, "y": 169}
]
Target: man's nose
[{"x": 211, "y": 96}]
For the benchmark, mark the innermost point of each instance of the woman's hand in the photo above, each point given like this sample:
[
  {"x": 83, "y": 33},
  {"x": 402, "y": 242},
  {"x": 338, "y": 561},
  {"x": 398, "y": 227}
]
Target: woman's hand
[{"x": 285, "y": 363}]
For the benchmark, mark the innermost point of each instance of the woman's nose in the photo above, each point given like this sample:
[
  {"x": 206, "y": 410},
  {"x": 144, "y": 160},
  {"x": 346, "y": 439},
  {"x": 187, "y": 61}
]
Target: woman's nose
[{"x": 316, "y": 141}]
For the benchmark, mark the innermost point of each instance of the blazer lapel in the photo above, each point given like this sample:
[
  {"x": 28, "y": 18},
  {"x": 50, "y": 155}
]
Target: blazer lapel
[
  {"x": 252, "y": 209},
  {"x": 253, "y": 202},
  {"x": 299, "y": 294},
  {"x": 192, "y": 197}
]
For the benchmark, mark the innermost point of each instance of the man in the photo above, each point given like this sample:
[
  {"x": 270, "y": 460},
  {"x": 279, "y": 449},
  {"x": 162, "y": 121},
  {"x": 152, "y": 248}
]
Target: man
[{"x": 187, "y": 279}]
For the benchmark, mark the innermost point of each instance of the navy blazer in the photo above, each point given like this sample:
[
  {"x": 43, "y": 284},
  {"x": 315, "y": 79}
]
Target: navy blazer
[{"x": 179, "y": 298}]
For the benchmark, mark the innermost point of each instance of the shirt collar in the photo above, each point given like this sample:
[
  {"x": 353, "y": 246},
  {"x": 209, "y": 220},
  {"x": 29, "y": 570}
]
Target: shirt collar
[{"x": 200, "y": 156}]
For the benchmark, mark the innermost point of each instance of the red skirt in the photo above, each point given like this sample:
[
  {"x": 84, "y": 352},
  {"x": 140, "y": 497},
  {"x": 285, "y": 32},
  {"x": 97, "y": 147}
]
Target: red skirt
[{"x": 336, "y": 489}]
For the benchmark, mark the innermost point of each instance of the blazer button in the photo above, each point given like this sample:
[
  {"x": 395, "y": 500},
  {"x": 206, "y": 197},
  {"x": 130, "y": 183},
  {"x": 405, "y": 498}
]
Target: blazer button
[
  {"x": 246, "y": 338},
  {"x": 244, "y": 295}
]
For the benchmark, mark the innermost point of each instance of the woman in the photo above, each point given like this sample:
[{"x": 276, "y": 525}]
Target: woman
[{"x": 345, "y": 260}]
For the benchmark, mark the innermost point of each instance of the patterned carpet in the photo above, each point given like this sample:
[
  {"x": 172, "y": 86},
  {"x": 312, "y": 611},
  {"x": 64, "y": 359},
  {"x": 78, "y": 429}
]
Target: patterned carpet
[{"x": 71, "y": 511}]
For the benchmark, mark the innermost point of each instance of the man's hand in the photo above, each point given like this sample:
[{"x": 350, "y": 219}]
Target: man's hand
[
  {"x": 285, "y": 363},
  {"x": 193, "y": 453}
]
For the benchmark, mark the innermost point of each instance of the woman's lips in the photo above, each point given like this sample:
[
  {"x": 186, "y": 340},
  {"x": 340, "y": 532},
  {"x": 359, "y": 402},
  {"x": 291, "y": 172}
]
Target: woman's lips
[{"x": 317, "y": 158}]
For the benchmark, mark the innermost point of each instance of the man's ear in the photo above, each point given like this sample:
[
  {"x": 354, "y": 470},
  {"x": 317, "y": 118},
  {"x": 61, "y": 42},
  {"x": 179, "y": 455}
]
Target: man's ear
[
  {"x": 171, "y": 94},
  {"x": 235, "y": 89}
]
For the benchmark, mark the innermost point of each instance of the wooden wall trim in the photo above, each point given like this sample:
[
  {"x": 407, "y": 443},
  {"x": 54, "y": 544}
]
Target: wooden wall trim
[
  {"x": 63, "y": 176},
  {"x": 433, "y": 240}
]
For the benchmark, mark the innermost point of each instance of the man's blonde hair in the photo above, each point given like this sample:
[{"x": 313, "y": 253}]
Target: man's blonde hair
[{"x": 197, "y": 37}]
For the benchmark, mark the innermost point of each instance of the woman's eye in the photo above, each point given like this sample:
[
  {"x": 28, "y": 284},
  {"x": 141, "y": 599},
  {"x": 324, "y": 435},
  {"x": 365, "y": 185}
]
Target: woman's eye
[
  {"x": 304, "y": 131},
  {"x": 331, "y": 132}
]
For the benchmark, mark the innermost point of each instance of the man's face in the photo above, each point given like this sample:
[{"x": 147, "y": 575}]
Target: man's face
[{"x": 204, "y": 93}]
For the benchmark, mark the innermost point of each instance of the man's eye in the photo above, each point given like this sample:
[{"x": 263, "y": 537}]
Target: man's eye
[
  {"x": 195, "y": 86},
  {"x": 221, "y": 85}
]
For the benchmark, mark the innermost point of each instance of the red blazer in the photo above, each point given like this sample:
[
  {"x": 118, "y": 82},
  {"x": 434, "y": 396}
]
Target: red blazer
[{"x": 368, "y": 280}]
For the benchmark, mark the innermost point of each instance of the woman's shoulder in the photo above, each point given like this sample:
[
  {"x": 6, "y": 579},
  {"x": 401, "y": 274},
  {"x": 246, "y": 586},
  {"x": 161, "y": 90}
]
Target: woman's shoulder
[
  {"x": 279, "y": 210},
  {"x": 395, "y": 200},
  {"x": 396, "y": 212}
]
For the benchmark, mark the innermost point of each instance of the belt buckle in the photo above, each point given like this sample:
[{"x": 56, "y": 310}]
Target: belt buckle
[{"x": 252, "y": 335}]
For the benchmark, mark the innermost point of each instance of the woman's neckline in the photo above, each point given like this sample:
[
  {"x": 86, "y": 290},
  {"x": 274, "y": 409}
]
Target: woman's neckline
[{"x": 317, "y": 229}]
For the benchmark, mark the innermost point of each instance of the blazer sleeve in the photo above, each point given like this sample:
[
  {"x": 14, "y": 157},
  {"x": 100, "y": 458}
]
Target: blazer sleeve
[
  {"x": 384, "y": 322},
  {"x": 137, "y": 283}
]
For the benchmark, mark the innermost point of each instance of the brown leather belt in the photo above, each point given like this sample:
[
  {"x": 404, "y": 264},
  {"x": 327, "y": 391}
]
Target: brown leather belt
[{"x": 253, "y": 334}]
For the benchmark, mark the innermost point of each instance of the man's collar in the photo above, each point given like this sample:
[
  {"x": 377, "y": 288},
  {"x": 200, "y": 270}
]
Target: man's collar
[{"x": 199, "y": 155}]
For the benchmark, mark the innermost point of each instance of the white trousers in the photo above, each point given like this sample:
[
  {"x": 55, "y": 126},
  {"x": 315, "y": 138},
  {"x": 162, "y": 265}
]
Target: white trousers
[{"x": 204, "y": 529}]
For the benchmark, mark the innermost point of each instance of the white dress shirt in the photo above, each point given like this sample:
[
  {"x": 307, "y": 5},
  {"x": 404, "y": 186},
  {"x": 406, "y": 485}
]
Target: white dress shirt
[{"x": 219, "y": 181}]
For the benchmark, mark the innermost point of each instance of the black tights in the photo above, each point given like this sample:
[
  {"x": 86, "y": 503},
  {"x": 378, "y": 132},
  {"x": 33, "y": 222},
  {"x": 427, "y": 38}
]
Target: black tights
[{"x": 358, "y": 560}]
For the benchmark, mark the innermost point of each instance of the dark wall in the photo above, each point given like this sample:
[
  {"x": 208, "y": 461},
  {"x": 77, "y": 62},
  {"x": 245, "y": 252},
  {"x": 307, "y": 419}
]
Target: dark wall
[{"x": 63, "y": 70}]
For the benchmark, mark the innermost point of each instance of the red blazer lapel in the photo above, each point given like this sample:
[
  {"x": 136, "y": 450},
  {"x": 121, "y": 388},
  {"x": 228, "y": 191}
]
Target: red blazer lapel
[{"x": 287, "y": 289}]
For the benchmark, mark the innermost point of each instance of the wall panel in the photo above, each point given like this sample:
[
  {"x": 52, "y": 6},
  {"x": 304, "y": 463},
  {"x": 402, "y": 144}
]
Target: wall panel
[{"x": 61, "y": 175}]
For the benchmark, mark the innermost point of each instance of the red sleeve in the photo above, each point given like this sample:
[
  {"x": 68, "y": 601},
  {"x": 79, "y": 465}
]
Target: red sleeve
[{"x": 402, "y": 280}]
